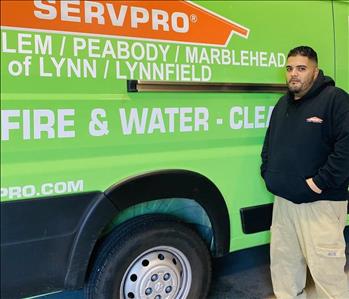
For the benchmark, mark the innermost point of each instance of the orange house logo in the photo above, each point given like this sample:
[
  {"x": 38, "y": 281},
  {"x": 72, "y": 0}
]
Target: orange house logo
[{"x": 171, "y": 21}]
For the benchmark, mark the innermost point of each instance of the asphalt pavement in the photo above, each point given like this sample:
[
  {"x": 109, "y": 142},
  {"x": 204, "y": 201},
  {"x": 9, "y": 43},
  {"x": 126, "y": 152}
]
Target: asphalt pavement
[{"x": 243, "y": 274}]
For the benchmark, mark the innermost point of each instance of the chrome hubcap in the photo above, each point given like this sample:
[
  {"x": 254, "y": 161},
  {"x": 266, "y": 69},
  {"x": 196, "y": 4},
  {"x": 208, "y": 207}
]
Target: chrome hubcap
[{"x": 160, "y": 273}]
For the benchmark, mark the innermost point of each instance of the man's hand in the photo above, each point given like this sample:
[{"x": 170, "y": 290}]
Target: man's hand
[{"x": 313, "y": 187}]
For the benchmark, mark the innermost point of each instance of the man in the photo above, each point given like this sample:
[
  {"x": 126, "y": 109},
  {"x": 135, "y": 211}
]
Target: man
[{"x": 305, "y": 163}]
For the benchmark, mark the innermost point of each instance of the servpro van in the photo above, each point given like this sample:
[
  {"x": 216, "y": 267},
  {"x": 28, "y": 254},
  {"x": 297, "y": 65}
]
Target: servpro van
[{"x": 131, "y": 134}]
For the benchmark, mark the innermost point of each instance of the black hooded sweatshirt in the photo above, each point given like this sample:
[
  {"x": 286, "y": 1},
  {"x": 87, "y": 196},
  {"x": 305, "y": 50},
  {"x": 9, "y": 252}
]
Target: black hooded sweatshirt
[{"x": 309, "y": 138}]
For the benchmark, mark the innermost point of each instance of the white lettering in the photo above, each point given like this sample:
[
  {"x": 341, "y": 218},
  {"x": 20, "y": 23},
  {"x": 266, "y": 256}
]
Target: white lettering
[
  {"x": 40, "y": 126},
  {"x": 33, "y": 124},
  {"x": 156, "y": 121},
  {"x": 63, "y": 123},
  {"x": 28, "y": 191},
  {"x": 160, "y": 18},
  {"x": 45, "y": 189},
  {"x": 117, "y": 20},
  {"x": 133, "y": 120},
  {"x": 94, "y": 10},
  {"x": 234, "y": 124},
  {"x": 162, "y": 120},
  {"x": 7, "y": 124},
  {"x": 67, "y": 8},
  {"x": 259, "y": 117},
  {"x": 139, "y": 15},
  {"x": 48, "y": 12},
  {"x": 176, "y": 19},
  {"x": 250, "y": 118}
]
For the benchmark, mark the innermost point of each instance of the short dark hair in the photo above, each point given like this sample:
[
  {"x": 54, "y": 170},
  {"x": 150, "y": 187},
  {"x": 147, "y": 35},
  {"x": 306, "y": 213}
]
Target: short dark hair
[{"x": 304, "y": 51}]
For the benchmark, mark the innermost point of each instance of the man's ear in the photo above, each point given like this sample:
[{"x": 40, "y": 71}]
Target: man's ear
[{"x": 316, "y": 73}]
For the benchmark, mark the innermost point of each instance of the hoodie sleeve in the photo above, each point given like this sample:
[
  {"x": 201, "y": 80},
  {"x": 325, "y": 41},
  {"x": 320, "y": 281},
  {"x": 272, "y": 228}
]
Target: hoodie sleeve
[
  {"x": 265, "y": 148},
  {"x": 264, "y": 153},
  {"x": 335, "y": 172}
]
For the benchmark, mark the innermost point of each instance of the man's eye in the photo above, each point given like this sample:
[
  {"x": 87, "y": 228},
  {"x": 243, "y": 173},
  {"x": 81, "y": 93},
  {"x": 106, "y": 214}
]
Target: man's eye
[
  {"x": 301, "y": 69},
  {"x": 288, "y": 69}
]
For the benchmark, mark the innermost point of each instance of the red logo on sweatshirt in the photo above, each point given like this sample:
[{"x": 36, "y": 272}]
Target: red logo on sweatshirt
[{"x": 315, "y": 120}]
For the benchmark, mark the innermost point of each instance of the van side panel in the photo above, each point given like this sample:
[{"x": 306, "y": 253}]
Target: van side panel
[{"x": 341, "y": 28}]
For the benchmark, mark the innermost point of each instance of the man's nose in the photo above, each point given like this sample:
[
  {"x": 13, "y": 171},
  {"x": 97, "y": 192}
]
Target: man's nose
[{"x": 294, "y": 73}]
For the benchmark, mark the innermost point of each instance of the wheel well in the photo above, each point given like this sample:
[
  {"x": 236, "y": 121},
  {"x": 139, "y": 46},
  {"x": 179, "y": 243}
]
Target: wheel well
[
  {"x": 183, "y": 209},
  {"x": 177, "y": 184},
  {"x": 145, "y": 189}
]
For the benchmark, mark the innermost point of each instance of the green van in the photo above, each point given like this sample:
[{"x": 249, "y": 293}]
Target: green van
[{"x": 131, "y": 134}]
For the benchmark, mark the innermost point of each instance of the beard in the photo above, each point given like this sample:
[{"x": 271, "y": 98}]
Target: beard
[{"x": 295, "y": 88}]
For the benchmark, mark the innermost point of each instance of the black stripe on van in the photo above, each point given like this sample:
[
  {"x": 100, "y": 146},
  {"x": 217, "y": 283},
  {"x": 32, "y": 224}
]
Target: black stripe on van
[
  {"x": 170, "y": 86},
  {"x": 256, "y": 219}
]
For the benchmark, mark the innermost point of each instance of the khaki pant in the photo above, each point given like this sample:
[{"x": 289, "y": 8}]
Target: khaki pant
[{"x": 310, "y": 235}]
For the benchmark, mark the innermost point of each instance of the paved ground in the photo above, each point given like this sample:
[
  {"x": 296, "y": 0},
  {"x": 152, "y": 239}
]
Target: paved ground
[
  {"x": 246, "y": 275},
  {"x": 240, "y": 275}
]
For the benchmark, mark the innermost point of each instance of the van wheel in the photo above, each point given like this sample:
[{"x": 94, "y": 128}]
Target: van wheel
[{"x": 150, "y": 256}]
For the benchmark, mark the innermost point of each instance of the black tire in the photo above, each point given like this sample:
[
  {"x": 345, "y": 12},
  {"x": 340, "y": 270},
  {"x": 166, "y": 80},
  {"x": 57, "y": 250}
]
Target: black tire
[{"x": 153, "y": 247}]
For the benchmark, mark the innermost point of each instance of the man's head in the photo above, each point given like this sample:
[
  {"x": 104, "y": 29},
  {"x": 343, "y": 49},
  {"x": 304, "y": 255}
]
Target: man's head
[{"x": 301, "y": 70}]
